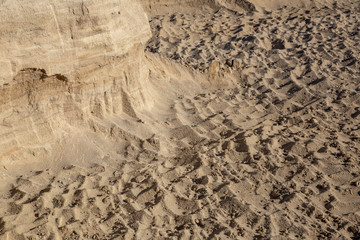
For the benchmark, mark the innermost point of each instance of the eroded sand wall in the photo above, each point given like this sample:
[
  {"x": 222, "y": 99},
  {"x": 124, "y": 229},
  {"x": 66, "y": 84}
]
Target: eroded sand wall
[
  {"x": 66, "y": 36},
  {"x": 64, "y": 63}
]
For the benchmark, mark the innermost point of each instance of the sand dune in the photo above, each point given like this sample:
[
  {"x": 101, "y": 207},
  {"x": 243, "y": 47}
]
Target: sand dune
[{"x": 236, "y": 120}]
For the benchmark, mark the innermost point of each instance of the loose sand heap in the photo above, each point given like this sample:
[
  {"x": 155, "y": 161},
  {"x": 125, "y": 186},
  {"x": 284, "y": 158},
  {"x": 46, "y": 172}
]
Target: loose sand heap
[{"x": 226, "y": 119}]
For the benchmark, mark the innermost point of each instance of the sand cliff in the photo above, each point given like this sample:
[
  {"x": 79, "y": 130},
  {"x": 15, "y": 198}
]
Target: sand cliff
[{"x": 63, "y": 62}]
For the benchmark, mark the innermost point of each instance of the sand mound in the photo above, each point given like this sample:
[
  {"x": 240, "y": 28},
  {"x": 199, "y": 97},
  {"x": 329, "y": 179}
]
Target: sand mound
[{"x": 232, "y": 125}]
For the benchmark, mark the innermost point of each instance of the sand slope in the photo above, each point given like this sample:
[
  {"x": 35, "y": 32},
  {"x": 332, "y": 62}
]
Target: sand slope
[{"x": 254, "y": 134}]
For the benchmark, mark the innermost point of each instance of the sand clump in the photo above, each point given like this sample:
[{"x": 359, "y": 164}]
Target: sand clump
[{"x": 232, "y": 120}]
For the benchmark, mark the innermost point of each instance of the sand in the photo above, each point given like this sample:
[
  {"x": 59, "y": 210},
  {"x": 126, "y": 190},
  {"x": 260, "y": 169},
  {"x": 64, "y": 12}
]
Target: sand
[{"x": 252, "y": 133}]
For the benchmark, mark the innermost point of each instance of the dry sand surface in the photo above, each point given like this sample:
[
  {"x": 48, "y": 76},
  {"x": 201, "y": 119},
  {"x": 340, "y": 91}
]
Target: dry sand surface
[{"x": 237, "y": 120}]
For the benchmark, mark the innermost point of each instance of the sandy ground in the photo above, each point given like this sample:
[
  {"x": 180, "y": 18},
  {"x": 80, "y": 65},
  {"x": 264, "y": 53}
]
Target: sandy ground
[{"x": 272, "y": 156}]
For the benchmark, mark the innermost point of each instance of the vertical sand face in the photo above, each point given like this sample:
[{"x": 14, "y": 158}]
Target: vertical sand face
[
  {"x": 93, "y": 53},
  {"x": 66, "y": 36}
]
